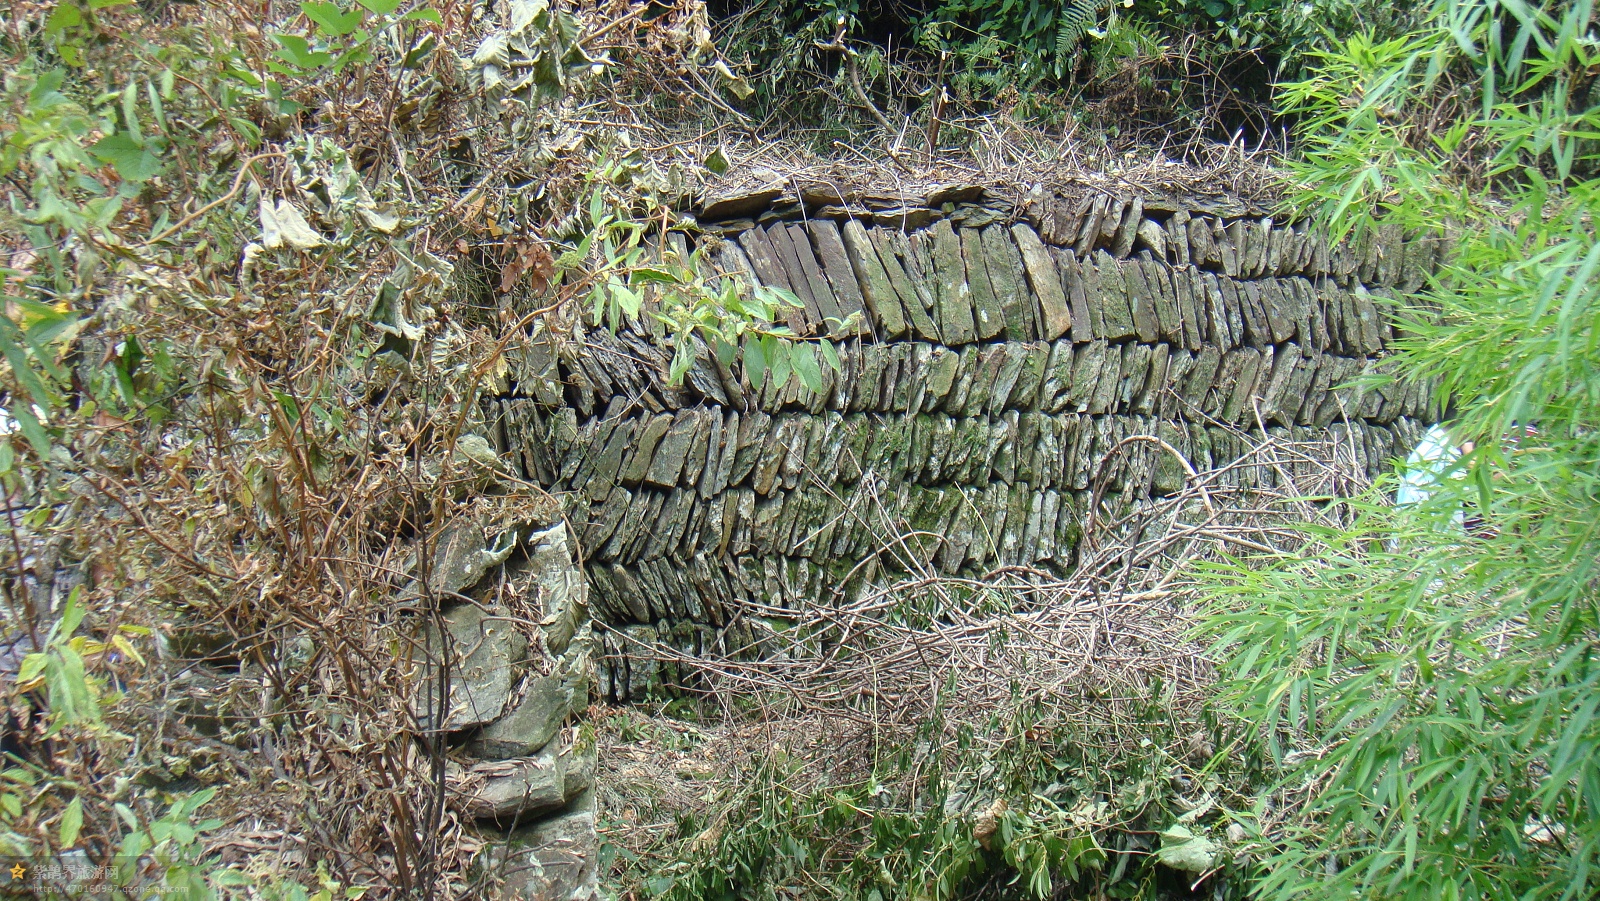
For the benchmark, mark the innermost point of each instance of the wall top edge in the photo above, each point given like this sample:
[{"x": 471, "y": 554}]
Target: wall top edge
[{"x": 917, "y": 203}]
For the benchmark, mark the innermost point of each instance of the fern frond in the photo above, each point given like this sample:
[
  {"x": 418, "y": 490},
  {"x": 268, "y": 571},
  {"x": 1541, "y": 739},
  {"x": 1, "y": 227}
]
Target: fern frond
[
  {"x": 1066, "y": 43},
  {"x": 1077, "y": 17}
]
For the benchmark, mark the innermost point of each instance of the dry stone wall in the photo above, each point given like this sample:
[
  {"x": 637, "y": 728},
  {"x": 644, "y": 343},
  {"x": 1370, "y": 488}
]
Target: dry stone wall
[{"x": 1002, "y": 349}]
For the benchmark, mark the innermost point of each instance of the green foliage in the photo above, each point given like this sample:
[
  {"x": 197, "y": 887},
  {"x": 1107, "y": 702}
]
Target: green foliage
[
  {"x": 723, "y": 316},
  {"x": 59, "y": 669},
  {"x": 128, "y": 154},
  {"x": 1528, "y": 117},
  {"x": 344, "y": 35},
  {"x": 164, "y": 857},
  {"x": 1022, "y": 809},
  {"x": 870, "y": 840},
  {"x": 236, "y": 240},
  {"x": 1436, "y": 692},
  {"x": 537, "y": 59},
  {"x": 1283, "y": 33},
  {"x": 83, "y": 159},
  {"x": 1122, "y": 40},
  {"x": 1043, "y": 37},
  {"x": 1183, "y": 55}
]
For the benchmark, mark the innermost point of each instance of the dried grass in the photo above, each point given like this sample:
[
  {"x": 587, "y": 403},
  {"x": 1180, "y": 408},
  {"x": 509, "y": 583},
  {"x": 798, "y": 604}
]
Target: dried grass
[{"x": 1008, "y": 159}]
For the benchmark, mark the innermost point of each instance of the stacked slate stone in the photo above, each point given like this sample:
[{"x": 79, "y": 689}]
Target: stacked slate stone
[
  {"x": 1002, "y": 351},
  {"x": 515, "y": 679}
]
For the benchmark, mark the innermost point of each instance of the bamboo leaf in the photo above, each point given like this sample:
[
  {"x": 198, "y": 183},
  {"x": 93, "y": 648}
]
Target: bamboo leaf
[{"x": 71, "y": 823}]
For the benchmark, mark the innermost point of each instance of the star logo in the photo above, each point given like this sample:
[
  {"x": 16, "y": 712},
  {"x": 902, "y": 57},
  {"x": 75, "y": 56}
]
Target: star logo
[{"x": 17, "y": 872}]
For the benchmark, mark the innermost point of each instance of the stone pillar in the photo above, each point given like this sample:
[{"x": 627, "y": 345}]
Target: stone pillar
[{"x": 522, "y": 665}]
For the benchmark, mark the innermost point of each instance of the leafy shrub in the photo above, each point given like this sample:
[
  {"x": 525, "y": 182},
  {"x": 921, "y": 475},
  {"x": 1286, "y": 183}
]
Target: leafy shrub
[
  {"x": 1285, "y": 33},
  {"x": 1027, "y": 811},
  {"x": 238, "y": 241},
  {"x": 1435, "y": 693},
  {"x": 1206, "y": 55}
]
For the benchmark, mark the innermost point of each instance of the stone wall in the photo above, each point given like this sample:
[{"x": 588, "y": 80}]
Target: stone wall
[{"x": 1003, "y": 349}]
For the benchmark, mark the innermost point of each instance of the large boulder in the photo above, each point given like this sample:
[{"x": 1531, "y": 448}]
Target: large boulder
[
  {"x": 518, "y": 789},
  {"x": 563, "y": 591},
  {"x": 506, "y": 790},
  {"x": 460, "y": 559}
]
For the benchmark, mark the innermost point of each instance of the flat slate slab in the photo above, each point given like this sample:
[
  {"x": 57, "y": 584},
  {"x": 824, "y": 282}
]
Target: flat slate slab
[{"x": 472, "y": 649}]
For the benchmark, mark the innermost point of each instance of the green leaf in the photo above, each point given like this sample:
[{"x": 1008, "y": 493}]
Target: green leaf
[
  {"x": 717, "y": 162},
  {"x": 32, "y": 666},
  {"x": 134, "y": 161},
  {"x": 71, "y": 823},
  {"x": 290, "y": 407},
  {"x": 755, "y": 361},
  {"x": 805, "y": 366},
  {"x": 22, "y": 368},
  {"x": 332, "y": 20},
  {"x": 41, "y": 325},
  {"x": 296, "y": 50},
  {"x": 419, "y": 53},
  {"x": 682, "y": 360},
  {"x": 357, "y": 55},
  {"x": 1186, "y": 851},
  {"x": 627, "y": 300},
  {"x": 829, "y": 354},
  {"x": 63, "y": 17},
  {"x": 380, "y": 7},
  {"x": 778, "y": 353},
  {"x": 649, "y": 275},
  {"x": 157, "y": 109},
  {"x": 72, "y": 613},
  {"x": 127, "y": 366},
  {"x": 782, "y": 297},
  {"x": 32, "y": 429},
  {"x": 130, "y": 113},
  {"x": 68, "y": 686}
]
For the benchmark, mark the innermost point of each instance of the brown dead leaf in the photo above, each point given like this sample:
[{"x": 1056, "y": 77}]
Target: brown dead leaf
[
  {"x": 988, "y": 822},
  {"x": 530, "y": 257}
]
